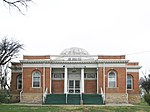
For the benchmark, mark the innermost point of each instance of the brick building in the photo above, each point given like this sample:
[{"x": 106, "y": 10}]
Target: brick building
[{"x": 75, "y": 77}]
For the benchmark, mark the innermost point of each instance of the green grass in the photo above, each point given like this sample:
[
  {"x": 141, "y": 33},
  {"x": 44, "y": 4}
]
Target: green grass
[
  {"x": 142, "y": 103},
  {"x": 23, "y": 108}
]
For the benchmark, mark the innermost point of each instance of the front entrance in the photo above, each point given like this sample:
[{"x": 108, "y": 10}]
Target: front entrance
[{"x": 74, "y": 87}]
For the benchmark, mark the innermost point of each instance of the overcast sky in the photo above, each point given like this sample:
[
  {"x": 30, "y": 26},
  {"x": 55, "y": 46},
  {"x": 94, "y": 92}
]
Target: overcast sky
[{"x": 111, "y": 27}]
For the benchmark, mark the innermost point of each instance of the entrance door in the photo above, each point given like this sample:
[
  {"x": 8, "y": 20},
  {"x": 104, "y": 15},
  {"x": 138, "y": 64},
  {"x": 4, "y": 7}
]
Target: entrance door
[{"x": 74, "y": 86}]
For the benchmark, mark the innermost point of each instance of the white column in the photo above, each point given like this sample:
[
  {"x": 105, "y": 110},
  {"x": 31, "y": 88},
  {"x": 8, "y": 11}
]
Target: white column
[
  {"x": 97, "y": 80},
  {"x": 65, "y": 81},
  {"x": 43, "y": 82},
  {"x": 82, "y": 80},
  {"x": 126, "y": 84},
  {"x": 104, "y": 81},
  {"x": 50, "y": 90}
]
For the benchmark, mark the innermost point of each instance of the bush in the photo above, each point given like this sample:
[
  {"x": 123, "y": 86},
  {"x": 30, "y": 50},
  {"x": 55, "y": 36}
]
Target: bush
[
  {"x": 147, "y": 98},
  {"x": 4, "y": 97}
]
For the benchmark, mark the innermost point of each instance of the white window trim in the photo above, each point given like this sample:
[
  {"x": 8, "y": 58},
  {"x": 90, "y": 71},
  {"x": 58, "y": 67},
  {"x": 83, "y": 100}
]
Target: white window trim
[
  {"x": 115, "y": 79},
  {"x": 39, "y": 81},
  {"x": 131, "y": 82},
  {"x": 18, "y": 82}
]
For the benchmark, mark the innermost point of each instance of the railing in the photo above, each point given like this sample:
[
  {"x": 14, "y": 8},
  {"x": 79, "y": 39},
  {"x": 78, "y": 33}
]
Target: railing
[
  {"x": 45, "y": 94},
  {"x": 81, "y": 99},
  {"x": 103, "y": 95},
  {"x": 66, "y": 97},
  {"x": 21, "y": 95}
]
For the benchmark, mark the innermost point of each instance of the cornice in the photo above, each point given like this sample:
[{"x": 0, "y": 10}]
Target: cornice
[
  {"x": 42, "y": 61},
  {"x": 53, "y": 62},
  {"x": 113, "y": 61},
  {"x": 48, "y": 61},
  {"x": 134, "y": 67},
  {"x": 73, "y": 62}
]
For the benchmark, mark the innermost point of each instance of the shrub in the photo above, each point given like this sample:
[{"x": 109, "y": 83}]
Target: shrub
[
  {"x": 4, "y": 97},
  {"x": 147, "y": 98}
]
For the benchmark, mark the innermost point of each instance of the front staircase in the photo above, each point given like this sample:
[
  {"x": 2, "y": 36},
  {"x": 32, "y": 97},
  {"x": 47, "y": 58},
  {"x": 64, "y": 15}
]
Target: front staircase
[
  {"x": 55, "y": 99},
  {"x": 74, "y": 99},
  {"x": 94, "y": 99}
]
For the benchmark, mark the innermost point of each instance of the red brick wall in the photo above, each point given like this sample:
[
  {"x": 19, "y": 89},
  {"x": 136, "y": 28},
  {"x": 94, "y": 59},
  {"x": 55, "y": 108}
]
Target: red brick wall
[
  {"x": 135, "y": 76},
  {"x": 121, "y": 79},
  {"x": 27, "y": 80},
  {"x": 100, "y": 78},
  {"x": 133, "y": 63},
  {"x": 48, "y": 78},
  {"x": 57, "y": 86},
  {"x": 36, "y": 57},
  {"x": 90, "y": 86},
  {"x": 13, "y": 83},
  {"x": 111, "y": 57}
]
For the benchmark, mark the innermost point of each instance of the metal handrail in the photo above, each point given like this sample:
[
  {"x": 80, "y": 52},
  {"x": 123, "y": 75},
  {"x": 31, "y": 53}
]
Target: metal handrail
[
  {"x": 45, "y": 94},
  {"x": 66, "y": 97},
  {"x": 81, "y": 96},
  {"x": 103, "y": 95},
  {"x": 81, "y": 99}
]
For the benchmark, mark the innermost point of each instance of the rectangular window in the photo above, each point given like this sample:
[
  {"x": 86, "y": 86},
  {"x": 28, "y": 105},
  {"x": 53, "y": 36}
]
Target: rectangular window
[
  {"x": 111, "y": 80},
  {"x": 57, "y": 76},
  {"x": 36, "y": 78},
  {"x": 19, "y": 82},
  {"x": 129, "y": 85},
  {"x": 36, "y": 81},
  {"x": 112, "y": 84},
  {"x": 129, "y": 82},
  {"x": 90, "y": 76}
]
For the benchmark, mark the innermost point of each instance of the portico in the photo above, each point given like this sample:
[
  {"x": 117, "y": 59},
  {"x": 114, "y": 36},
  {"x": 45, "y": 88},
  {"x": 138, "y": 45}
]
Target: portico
[{"x": 73, "y": 80}]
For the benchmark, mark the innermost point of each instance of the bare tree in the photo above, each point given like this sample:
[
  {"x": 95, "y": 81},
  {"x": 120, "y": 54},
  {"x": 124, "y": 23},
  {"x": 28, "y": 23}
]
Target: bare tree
[
  {"x": 145, "y": 83},
  {"x": 4, "y": 79},
  {"x": 18, "y": 4},
  {"x": 9, "y": 50}
]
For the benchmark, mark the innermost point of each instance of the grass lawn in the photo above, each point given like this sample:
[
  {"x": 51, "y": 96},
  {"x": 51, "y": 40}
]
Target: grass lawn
[{"x": 23, "y": 108}]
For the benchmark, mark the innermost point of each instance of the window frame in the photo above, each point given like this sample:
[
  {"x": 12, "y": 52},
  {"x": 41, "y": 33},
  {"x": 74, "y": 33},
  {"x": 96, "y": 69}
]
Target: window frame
[
  {"x": 115, "y": 79},
  {"x": 131, "y": 79},
  {"x": 39, "y": 79}
]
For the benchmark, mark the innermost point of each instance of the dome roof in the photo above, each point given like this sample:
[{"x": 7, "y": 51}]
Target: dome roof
[{"x": 74, "y": 51}]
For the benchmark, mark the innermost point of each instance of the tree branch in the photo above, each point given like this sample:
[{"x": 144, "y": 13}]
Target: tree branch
[
  {"x": 9, "y": 50},
  {"x": 16, "y": 4}
]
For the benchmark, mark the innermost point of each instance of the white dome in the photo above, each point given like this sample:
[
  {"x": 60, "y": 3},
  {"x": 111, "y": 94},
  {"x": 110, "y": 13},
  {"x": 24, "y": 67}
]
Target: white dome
[{"x": 74, "y": 51}]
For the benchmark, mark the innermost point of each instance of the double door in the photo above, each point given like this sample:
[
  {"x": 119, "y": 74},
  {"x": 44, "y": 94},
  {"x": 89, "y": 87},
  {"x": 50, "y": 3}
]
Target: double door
[{"x": 74, "y": 87}]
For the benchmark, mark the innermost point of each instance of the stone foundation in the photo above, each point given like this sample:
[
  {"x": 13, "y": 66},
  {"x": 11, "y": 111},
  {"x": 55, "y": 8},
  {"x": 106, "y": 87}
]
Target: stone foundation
[
  {"x": 134, "y": 98},
  {"x": 15, "y": 98},
  {"x": 116, "y": 98},
  {"x": 31, "y": 98}
]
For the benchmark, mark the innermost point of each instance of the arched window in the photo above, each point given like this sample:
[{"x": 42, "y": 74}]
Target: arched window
[
  {"x": 19, "y": 82},
  {"x": 112, "y": 80},
  {"x": 129, "y": 82},
  {"x": 36, "y": 79}
]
